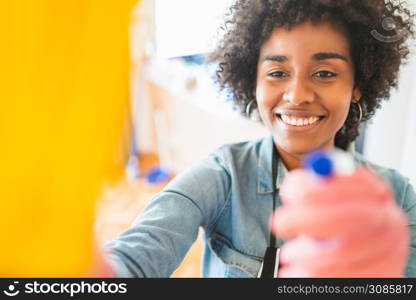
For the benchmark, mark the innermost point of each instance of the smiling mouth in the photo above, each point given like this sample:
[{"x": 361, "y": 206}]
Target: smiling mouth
[{"x": 299, "y": 121}]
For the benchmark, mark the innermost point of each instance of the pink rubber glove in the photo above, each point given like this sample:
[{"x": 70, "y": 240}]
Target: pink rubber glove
[
  {"x": 344, "y": 226},
  {"x": 100, "y": 268}
]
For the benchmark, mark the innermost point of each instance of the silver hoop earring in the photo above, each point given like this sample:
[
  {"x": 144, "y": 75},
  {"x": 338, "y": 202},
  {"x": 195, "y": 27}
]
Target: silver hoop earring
[
  {"x": 360, "y": 109},
  {"x": 254, "y": 115}
]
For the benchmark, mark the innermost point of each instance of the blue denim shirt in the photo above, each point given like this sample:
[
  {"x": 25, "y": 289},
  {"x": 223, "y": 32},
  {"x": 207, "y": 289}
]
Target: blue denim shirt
[{"x": 229, "y": 195}]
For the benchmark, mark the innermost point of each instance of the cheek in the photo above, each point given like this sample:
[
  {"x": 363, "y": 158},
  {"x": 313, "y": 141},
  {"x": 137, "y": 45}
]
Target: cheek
[
  {"x": 266, "y": 98},
  {"x": 265, "y": 103},
  {"x": 260, "y": 95},
  {"x": 340, "y": 113}
]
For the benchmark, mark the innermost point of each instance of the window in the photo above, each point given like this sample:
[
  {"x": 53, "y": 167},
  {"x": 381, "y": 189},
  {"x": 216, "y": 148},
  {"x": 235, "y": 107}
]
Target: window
[{"x": 187, "y": 27}]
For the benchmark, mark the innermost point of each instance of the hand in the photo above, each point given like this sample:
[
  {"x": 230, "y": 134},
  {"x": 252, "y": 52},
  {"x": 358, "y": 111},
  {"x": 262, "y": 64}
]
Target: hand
[{"x": 344, "y": 226}]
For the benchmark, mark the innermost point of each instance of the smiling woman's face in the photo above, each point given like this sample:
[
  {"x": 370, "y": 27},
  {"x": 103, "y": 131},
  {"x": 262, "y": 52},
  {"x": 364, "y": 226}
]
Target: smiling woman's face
[{"x": 305, "y": 86}]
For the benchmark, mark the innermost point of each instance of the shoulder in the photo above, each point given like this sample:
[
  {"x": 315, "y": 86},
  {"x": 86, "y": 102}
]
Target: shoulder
[
  {"x": 399, "y": 183},
  {"x": 241, "y": 153},
  {"x": 242, "y": 147},
  {"x": 221, "y": 166}
]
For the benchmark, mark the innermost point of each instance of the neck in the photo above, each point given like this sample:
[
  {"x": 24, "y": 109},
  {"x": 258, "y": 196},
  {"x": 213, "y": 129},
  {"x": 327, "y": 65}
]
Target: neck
[{"x": 291, "y": 161}]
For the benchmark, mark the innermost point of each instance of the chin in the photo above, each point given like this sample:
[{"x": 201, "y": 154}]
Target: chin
[{"x": 299, "y": 148}]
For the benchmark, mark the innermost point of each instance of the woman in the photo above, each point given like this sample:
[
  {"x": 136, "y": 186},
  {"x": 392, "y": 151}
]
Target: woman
[{"x": 314, "y": 70}]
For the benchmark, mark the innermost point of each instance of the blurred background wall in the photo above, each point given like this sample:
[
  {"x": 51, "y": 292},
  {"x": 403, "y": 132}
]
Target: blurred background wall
[{"x": 180, "y": 115}]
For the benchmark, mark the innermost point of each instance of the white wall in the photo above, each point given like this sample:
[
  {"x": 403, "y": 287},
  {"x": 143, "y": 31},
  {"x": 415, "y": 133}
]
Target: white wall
[{"x": 391, "y": 135}]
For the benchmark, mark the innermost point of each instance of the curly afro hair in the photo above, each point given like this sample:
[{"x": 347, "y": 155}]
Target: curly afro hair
[{"x": 378, "y": 32}]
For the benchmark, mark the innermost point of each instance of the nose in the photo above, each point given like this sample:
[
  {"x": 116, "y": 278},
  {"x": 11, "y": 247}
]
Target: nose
[{"x": 298, "y": 92}]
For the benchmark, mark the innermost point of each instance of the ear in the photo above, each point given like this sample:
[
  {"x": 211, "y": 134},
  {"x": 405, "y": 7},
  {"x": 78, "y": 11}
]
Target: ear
[{"x": 356, "y": 95}]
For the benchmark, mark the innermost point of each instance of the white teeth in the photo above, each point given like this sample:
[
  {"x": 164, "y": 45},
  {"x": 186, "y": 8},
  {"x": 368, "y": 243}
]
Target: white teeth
[{"x": 298, "y": 121}]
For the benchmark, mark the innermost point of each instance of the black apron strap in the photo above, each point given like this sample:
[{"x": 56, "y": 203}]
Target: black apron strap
[{"x": 271, "y": 259}]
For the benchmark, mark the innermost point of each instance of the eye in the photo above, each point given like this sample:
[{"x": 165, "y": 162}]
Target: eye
[
  {"x": 326, "y": 74},
  {"x": 277, "y": 74}
]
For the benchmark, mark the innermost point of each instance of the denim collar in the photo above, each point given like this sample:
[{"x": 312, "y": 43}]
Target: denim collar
[{"x": 264, "y": 185}]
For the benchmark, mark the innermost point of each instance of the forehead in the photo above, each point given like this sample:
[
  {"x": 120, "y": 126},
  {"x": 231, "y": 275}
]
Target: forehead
[{"x": 306, "y": 39}]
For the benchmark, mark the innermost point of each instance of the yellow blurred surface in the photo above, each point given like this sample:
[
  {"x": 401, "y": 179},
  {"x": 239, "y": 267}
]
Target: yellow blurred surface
[{"x": 64, "y": 128}]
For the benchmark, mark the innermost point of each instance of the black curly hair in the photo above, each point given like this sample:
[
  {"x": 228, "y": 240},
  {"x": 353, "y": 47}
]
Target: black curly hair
[{"x": 378, "y": 31}]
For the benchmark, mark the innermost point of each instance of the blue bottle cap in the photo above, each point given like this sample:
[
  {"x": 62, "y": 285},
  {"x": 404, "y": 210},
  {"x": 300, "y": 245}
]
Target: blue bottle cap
[{"x": 319, "y": 163}]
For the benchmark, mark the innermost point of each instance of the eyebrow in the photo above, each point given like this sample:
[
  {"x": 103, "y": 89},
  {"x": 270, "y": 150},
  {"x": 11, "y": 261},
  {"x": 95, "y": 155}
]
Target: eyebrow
[
  {"x": 328, "y": 55},
  {"x": 317, "y": 57},
  {"x": 276, "y": 58}
]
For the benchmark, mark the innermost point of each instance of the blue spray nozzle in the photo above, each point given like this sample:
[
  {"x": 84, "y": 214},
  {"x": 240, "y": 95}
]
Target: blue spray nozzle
[
  {"x": 327, "y": 163},
  {"x": 320, "y": 163}
]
